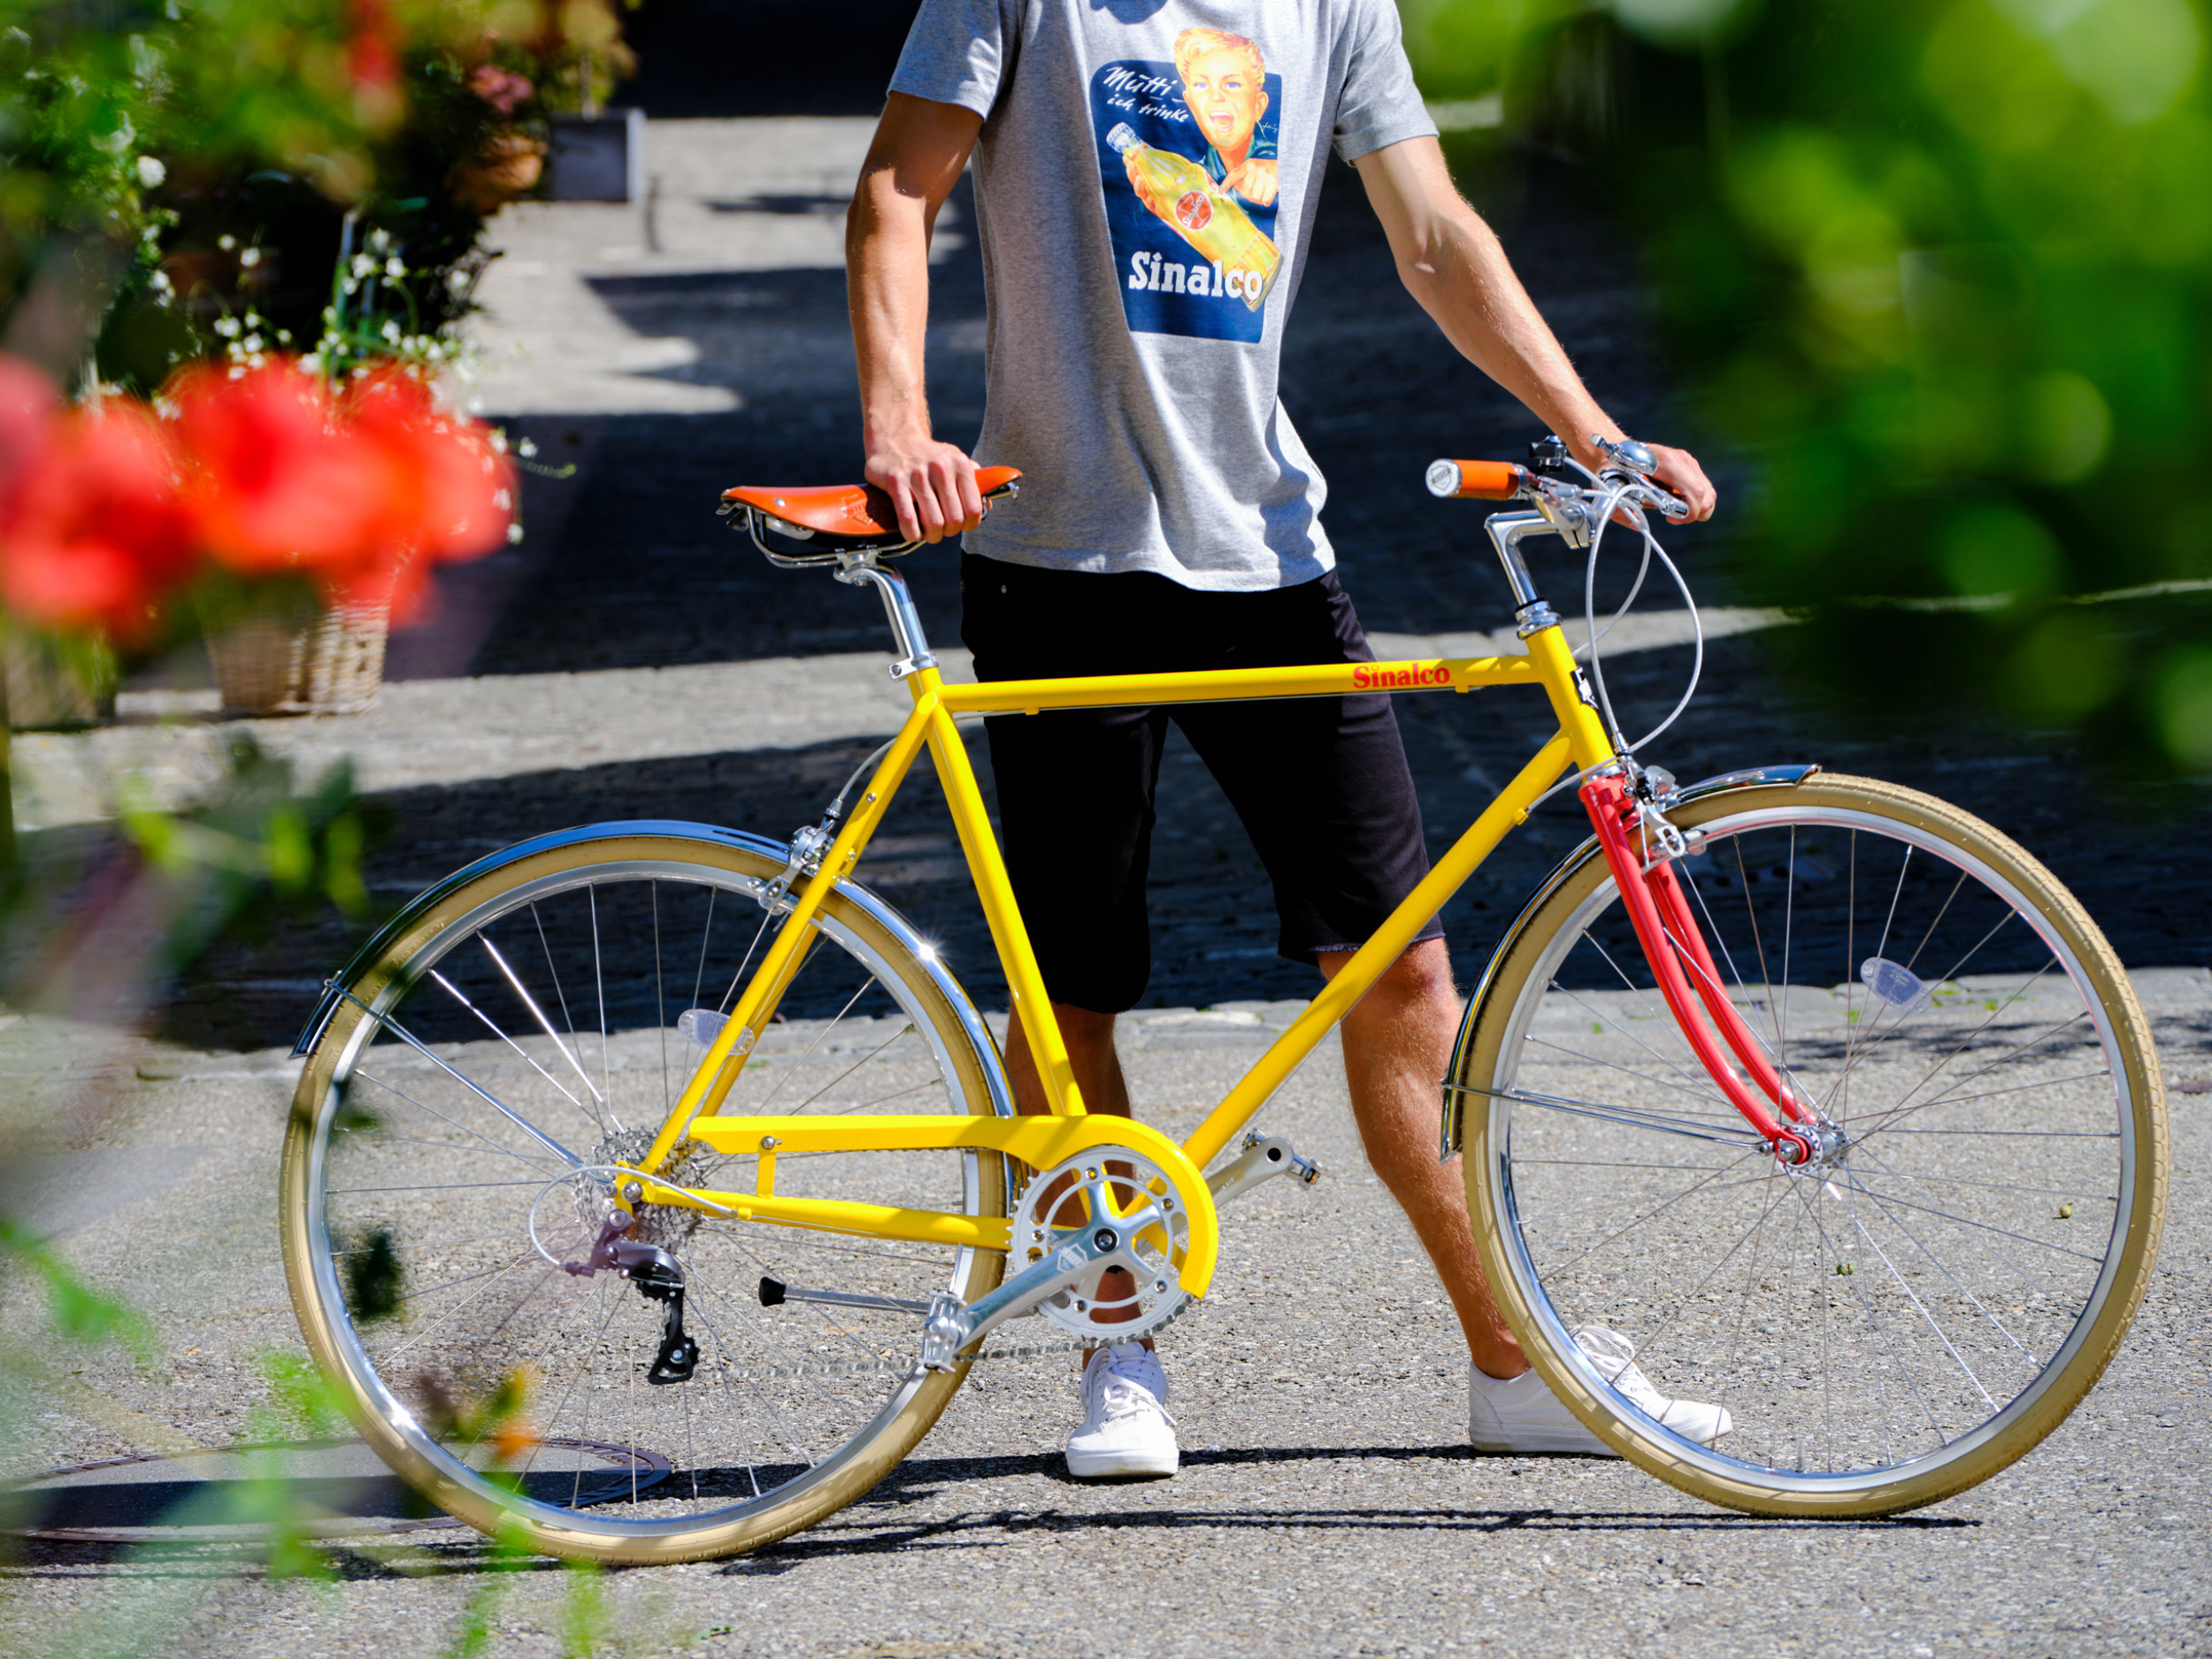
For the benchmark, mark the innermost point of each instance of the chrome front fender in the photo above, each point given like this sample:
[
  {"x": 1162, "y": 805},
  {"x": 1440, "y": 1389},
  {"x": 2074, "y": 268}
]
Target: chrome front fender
[
  {"x": 1752, "y": 778},
  {"x": 677, "y": 830}
]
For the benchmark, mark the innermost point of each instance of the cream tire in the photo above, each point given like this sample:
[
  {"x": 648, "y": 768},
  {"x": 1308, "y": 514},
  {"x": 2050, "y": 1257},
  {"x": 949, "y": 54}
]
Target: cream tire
[{"x": 1949, "y": 1290}]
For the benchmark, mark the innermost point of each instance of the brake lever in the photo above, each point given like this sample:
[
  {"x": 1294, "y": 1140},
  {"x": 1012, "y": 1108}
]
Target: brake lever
[{"x": 1635, "y": 464}]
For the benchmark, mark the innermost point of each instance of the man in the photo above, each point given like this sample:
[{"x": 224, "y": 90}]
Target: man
[{"x": 1169, "y": 520}]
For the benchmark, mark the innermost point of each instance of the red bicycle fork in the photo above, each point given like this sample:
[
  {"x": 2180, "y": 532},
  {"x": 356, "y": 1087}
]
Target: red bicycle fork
[{"x": 1675, "y": 947}]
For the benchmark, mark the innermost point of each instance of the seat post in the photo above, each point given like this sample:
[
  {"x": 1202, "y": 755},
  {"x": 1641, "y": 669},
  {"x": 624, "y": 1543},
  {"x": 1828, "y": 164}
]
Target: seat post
[{"x": 861, "y": 569}]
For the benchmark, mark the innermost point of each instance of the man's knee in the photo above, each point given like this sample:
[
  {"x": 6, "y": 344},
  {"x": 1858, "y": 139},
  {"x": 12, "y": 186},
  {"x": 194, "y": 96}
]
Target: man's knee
[
  {"x": 1423, "y": 973},
  {"x": 1419, "y": 980},
  {"x": 1088, "y": 1034}
]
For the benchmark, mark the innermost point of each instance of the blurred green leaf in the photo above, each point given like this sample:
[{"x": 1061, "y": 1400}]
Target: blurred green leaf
[
  {"x": 79, "y": 1313},
  {"x": 1940, "y": 276}
]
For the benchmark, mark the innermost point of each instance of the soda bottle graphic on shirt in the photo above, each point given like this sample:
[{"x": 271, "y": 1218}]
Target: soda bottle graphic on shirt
[{"x": 1207, "y": 217}]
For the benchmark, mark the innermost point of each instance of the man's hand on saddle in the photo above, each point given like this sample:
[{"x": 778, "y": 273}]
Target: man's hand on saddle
[
  {"x": 1255, "y": 180},
  {"x": 932, "y": 486}
]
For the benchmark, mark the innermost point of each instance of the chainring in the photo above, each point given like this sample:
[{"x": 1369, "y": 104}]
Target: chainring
[{"x": 1107, "y": 1305}]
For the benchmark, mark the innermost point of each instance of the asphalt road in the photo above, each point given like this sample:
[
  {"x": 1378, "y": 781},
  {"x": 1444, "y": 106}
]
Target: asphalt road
[{"x": 1327, "y": 1505}]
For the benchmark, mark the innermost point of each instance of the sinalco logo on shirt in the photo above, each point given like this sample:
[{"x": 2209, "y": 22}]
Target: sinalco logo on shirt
[{"x": 1186, "y": 155}]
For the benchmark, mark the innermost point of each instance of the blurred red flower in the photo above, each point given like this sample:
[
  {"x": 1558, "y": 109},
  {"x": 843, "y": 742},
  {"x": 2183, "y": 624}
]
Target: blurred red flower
[
  {"x": 93, "y": 530},
  {"x": 373, "y": 59},
  {"x": 104, "y": 511},
  {"x": 275, "y": 484},
  {"x": 452, "y": 492}
]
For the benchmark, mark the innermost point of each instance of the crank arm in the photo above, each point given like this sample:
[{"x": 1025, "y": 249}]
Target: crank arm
[
  {"x": 774, "y": 1292},
  {"x": 1265, "y": 1156},
  {"x": 949, "y": 1326}
]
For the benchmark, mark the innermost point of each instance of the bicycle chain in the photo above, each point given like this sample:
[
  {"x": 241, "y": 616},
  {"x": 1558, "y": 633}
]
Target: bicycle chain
[{"x": 913, "y": 1367}]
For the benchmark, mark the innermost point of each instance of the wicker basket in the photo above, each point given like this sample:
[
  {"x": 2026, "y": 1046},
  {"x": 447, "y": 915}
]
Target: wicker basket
[{"x": 330, "y": 665}]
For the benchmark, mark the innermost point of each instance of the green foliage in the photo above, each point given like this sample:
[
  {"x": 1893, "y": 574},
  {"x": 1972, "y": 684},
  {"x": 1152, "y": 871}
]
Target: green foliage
[
  {"x": 302, "y": 1403},
  {"x": 77, "y": 1312},
  {"x": 1942, "y": 273},
  {"x": 588, "y": 1624},
  {"x": 153, "y": 151},
  {"x": 255, "y": 848}
]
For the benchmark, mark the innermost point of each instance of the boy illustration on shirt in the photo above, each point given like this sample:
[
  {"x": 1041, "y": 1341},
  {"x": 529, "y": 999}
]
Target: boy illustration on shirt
[{"x": 1225, "y": 86}]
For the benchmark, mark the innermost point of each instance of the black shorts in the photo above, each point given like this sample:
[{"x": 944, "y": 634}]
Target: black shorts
[{"x": 1320, "y": 783}]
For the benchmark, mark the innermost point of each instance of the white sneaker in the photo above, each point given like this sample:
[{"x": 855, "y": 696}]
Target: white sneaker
[
  {"x": 1124, "y": 1429},
  {"x": 1615, "y": 1358},
  {"x": 1523, "y": 1416}
]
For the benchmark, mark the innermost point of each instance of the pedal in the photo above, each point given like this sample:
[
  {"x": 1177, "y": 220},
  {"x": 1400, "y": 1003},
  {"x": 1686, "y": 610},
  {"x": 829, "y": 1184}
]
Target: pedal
[{"x": 1265, "y": 1157}]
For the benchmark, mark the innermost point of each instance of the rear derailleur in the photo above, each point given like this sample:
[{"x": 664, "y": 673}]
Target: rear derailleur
[{"x": 659, "y": 1279}]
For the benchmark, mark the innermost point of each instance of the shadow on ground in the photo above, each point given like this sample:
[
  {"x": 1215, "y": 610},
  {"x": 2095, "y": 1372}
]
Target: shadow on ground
[{"x": 2128, "y": 860}]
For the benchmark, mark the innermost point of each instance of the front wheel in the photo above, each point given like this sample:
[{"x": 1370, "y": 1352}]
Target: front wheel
[
  {"x": 438, "y": 1243},
  {"x": 1904, "y": 1316}
]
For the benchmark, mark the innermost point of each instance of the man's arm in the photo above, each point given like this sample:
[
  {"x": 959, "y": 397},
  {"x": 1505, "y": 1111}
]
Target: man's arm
[
  {"x": 1452, "y": 263},
  {"x": 919, "y": 148}
]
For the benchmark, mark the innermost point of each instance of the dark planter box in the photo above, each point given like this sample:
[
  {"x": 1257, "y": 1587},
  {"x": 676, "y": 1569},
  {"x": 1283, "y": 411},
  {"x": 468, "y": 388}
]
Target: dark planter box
[{"x": 596, "y": 158}]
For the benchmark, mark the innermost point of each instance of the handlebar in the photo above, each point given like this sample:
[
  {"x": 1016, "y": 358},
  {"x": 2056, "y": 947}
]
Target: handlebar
[
  {"x": 1483, "y": 480},
  {"x": 1626, "y": 479}
]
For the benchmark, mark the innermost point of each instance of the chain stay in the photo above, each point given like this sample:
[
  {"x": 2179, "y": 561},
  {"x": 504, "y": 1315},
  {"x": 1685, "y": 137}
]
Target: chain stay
[{"x": 913, "y": 1368}]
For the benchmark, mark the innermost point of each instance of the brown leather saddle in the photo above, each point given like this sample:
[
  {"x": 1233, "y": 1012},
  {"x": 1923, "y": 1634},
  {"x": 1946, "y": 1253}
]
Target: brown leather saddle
[{"x": 838, "y": 518}]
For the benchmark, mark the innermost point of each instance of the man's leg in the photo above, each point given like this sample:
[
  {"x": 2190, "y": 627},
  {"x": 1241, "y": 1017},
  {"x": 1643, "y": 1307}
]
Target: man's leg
[
  {"x": 1397, "y": 1042},
  {"x": 1089, "y": 1036},
  {"x": 1124, "y": 1429}
]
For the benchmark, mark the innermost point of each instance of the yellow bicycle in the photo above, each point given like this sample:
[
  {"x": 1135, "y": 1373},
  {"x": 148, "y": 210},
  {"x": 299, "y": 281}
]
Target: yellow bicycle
[{"x": 650, "y": 1187}]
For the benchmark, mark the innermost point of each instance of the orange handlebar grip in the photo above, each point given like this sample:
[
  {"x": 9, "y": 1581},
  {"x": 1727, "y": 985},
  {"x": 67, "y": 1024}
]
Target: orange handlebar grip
[{"x": 1489, "y": 481}]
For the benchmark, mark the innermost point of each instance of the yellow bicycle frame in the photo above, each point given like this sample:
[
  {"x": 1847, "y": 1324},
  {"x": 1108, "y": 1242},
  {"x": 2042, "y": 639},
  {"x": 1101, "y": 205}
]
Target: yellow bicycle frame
[{"x": 1041, "y": 1142}]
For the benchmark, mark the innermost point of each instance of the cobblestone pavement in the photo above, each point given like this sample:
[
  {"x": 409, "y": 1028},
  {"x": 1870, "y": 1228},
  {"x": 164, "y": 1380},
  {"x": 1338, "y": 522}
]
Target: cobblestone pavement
[{"x": 631, "y": 659}]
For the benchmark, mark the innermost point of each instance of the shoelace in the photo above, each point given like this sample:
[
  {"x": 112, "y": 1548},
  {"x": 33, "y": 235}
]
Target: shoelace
[
  {"x": 1616, "y": 1363},
  {"x": 1127, "y": 1393},
  {"x": 1124, "y": 1397}
]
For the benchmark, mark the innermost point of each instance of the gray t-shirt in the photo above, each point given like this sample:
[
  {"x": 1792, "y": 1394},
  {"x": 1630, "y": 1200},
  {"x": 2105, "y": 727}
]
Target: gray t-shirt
[{"x": 1134, "y": 337}]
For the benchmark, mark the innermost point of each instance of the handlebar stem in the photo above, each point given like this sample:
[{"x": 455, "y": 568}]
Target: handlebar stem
[{"x": 1507, "y": 531}]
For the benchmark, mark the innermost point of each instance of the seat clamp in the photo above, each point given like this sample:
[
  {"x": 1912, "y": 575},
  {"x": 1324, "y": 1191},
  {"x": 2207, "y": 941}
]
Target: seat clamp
[{"x": 907, "y": 666}]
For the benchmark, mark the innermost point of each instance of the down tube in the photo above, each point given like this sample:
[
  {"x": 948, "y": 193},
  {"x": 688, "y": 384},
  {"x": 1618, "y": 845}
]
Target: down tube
[{"x": 1358, "y": 977}]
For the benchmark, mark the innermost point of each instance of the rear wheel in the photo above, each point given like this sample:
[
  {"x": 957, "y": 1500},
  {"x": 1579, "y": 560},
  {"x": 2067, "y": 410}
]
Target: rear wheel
[
  {"x": 1892, "y": 1323},
  {"x": 427, "y": 1219}
]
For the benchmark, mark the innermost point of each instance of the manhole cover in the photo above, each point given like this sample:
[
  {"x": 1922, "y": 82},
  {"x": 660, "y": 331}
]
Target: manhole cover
[{"x": 338, "y": 1488}]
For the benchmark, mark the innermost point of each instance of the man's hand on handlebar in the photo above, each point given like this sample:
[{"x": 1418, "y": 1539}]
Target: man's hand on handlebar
[
  {"x": 932, "y": 486},
  {"x": 1678, "y": 470}
]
